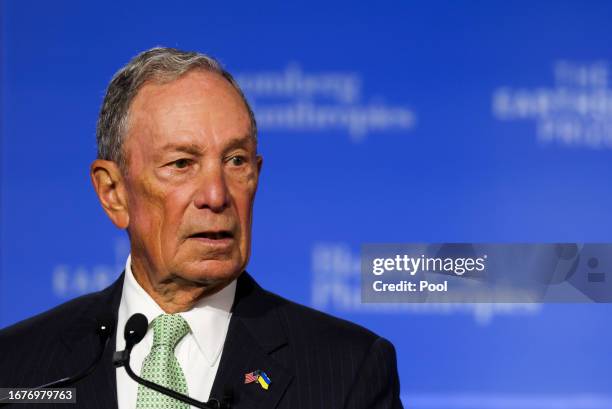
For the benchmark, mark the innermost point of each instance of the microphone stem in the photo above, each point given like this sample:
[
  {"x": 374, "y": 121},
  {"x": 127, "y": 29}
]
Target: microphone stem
[
  {"x": 73, "y": 379},
  {"x": 68, "y": 380},
  {"x": 166, "y": 391}
]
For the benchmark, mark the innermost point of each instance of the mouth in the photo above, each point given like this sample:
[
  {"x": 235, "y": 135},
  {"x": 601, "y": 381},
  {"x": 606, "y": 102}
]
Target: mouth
[
  {"x": 213, "y": 235},
  {"x": 217, "y": 239}
]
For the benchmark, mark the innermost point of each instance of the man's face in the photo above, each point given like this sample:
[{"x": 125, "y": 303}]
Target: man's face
[{"x": 191, "y": 179}]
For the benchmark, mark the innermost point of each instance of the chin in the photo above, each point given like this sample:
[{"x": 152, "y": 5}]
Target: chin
[{"x": 212, "y": 272}]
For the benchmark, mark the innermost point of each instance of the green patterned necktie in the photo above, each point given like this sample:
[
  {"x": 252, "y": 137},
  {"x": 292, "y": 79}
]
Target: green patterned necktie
[{"x": 161, "y": 365}]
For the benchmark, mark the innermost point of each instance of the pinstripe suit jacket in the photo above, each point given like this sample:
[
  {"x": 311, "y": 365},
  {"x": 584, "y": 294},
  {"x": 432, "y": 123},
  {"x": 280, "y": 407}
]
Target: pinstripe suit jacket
[{"x": 313, "y": 360}]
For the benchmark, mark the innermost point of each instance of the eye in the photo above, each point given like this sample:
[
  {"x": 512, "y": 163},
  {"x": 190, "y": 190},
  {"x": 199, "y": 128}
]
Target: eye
[
  {"x": 237, "y": 160},
  {"x": 181, "y": 163}
]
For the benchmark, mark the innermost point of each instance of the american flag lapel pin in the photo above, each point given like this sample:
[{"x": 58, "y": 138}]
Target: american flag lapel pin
[
  {"x": 258, "y": 376},
  {"x": 251, "y": 377}
]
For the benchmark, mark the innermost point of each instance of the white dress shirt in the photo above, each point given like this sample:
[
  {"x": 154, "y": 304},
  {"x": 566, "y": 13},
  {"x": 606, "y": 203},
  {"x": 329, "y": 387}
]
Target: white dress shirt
[{"x": 198, "y": 353}]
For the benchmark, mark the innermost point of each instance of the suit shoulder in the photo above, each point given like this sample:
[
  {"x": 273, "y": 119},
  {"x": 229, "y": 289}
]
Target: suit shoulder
[
  {"x": 77, "y": 312},
  {"x": 318, "y": 327},
  {"x": 46, "y": 323}
]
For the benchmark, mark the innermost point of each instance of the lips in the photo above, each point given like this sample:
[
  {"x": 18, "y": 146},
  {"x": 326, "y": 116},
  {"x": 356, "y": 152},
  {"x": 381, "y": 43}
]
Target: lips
[{"x": 213, "y": 235}]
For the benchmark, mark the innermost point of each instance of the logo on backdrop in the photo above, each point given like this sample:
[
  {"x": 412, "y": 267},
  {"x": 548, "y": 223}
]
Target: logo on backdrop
[
  {"x": 71, "y": 280},
  {"x": 576, "y": 111},
  {"x": 296, "y": 101}
]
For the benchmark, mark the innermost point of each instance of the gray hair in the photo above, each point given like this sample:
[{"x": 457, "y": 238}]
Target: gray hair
[{"x": 159, "y": 65}]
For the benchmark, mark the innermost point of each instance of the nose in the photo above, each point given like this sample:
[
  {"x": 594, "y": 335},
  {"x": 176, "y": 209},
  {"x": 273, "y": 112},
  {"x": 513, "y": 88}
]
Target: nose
[{"x": 212, "y": 192}]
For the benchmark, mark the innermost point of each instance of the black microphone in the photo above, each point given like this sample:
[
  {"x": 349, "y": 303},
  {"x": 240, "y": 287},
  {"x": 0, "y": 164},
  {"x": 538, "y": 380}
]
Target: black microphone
[
  {"x": 135, "y": 330},
  {"x": 104, "y": 327}
]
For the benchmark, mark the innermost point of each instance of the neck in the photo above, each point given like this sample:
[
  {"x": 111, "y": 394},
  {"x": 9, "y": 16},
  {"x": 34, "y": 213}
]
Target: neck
[{"x": 175, "y": 294}]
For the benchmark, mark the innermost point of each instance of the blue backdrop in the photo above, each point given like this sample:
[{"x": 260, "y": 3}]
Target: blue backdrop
[{"x": 431, "y": 121}]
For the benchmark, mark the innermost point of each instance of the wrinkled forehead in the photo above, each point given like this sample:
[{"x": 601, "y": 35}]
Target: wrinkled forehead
[{"x": 200, "y": 108}]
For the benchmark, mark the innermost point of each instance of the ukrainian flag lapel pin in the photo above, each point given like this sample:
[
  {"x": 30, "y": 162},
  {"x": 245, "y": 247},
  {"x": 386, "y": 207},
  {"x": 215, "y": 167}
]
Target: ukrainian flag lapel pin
[
  {"x": 258, "y": 376},
  {"x": 263, "y": 380}
]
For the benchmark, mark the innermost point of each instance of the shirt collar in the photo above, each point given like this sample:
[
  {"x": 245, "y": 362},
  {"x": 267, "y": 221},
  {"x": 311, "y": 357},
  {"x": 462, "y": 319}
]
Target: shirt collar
[{"x": 208, "y": 319}]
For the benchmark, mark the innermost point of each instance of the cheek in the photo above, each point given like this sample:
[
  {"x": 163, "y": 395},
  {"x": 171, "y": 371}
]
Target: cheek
[
  {"x": 145, "y": 215},
  {"x": 148, "y": 210},
  {"x": 244, "y": 194},
  {"x": 175, "y": 206}
]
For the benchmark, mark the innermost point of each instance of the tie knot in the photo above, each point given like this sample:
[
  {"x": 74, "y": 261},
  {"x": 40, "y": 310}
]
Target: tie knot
[{"x": 169, "y": 329}]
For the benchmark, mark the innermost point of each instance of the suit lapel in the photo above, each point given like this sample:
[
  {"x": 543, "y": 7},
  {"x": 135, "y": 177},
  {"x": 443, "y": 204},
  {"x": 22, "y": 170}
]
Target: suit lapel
[
  {"x": 99, "y": 389},
  {"x": 254, "y": 334}
]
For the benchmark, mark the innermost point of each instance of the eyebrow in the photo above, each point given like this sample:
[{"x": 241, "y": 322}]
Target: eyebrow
[
  {"x": 238, "y": 142},
  {"x": 194, "y": 149},
  {"x": 190, "y": 148}
]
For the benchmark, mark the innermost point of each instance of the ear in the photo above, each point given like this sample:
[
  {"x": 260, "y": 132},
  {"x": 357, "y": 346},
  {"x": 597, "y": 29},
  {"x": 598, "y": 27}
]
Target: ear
[{"x": 110, "y": 188}]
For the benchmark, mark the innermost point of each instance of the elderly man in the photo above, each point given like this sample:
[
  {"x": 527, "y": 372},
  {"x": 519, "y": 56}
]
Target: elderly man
[{"x": 178, "y": 168}]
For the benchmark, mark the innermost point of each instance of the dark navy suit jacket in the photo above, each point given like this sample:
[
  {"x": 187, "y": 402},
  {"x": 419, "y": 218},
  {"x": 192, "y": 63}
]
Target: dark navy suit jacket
[{"x": 312, "y": 359}]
